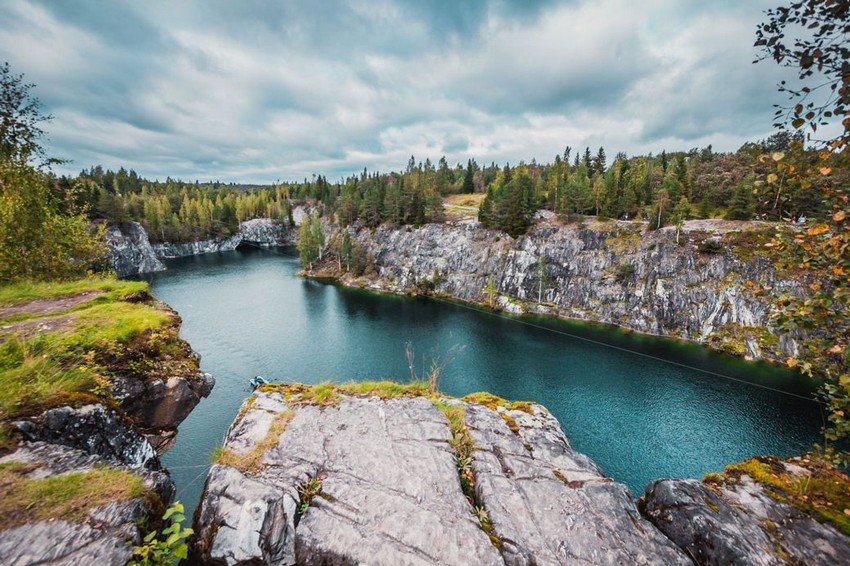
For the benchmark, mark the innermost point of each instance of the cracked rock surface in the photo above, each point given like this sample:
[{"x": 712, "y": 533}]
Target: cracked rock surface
[
  {"x": 390, "y": 493},
  {"x": 740, "y": 524}
]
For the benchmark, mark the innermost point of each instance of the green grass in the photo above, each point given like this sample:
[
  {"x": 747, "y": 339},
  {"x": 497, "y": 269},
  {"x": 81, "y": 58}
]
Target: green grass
[
  {"x": 20, "y": 292},
  {"x": 72, "y": 363},
  {"x": 67, "y": 497},
  {"x": 328, "y": 394}
]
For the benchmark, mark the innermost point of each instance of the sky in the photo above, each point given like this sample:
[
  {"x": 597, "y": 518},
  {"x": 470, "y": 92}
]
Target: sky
[{"x": 259, "y": 91}]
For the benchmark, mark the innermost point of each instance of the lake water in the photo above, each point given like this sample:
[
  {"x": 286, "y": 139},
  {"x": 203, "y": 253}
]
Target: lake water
[{"x": 642, "y": 408}]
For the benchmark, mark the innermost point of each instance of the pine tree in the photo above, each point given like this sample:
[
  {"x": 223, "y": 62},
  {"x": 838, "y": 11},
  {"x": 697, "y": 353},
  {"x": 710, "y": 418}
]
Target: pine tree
[{"x": 469, "y": 179}]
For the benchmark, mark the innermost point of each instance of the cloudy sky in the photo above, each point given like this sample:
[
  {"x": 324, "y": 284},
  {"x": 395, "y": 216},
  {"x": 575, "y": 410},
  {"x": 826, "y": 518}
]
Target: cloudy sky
[{"x": 258, "y": 91}]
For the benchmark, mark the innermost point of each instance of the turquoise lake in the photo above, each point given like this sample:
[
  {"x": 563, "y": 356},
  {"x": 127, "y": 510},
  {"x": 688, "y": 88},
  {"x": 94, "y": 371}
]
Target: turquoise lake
[{"x": 641, "y": 407}]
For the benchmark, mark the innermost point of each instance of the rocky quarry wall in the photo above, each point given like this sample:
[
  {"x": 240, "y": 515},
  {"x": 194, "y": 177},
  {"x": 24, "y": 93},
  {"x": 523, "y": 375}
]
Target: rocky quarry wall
[{"x": 612, "y": 272}]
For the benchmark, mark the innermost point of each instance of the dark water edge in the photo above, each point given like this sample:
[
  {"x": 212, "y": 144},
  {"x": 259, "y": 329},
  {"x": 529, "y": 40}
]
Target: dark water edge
[{"x": 642, "y": 407}]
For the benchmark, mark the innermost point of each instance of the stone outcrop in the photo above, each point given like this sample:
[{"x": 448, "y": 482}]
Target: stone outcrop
[
  {"x": 744, "y": 521},
  {"x": 611, "y": 272},
  {"x": 383, "y": 481},
  {"x": 130, "y": 251},
  {"x": 105, "y": 533},
  {"x": 151, "y": 384},
  {"x": 359, "y": 475},
  {"x": 159, "y": 405}
]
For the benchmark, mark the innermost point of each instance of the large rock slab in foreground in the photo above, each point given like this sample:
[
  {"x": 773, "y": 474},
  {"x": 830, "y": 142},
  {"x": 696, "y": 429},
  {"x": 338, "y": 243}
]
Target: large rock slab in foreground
[{"x": 318, "y": 476}]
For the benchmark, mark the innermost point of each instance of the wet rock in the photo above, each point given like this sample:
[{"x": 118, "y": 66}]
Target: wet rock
[
  {"x": 130, "y": 251},
  {"x": 92, "y": 429},
  {"x": 740, "y": 524},
  {"x": 386, "y": 490}
]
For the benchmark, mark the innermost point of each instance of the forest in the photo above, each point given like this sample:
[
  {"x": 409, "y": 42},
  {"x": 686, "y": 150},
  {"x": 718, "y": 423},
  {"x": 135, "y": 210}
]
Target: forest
[{"x": 667, "y": 188}]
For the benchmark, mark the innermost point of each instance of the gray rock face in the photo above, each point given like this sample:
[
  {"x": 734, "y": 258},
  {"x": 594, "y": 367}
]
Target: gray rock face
[
  {"x": 130, "y": 251},
  {"x": 390, "y": 492},
  {"x": 132, "y": 254},
  {"x": 257, "y": 232},
  {"x": 741, "y": 524},
  {"x": 552, "y": 505},
  {"x": 104, "y": 535},
  {"x": 575, "y": 272}
]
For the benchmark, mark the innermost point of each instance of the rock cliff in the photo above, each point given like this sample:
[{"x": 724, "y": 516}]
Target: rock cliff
[
  {"x": 699, "y": 289},
  {"x": 257, "y": 232},
  {"x": 132, "y": 254},
  {"x": 378, "y": 473},
  {"x": 130, "y": 251}
]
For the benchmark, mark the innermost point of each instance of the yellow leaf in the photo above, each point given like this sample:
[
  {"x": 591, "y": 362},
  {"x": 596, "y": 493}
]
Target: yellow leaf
[
  {"x": 819, "y": 229},
  {"x": 778, "y": 156},
  {"x": 772, "y": 178},
  {"x": 749, "y": 283},
  {"x": 791, "y": 362},
  {"x": 825, "y": 170},
  {"x": 839, "y": 216}
]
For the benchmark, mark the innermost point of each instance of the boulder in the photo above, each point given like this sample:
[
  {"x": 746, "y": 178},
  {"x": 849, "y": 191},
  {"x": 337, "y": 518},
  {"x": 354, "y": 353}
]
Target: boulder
[
  {"x": 741, "y": 522},
  {"x": 105, "y": 534}
]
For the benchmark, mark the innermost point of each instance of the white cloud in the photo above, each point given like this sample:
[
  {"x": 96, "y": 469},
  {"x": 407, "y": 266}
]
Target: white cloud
[{"x": 203, "y": 90}]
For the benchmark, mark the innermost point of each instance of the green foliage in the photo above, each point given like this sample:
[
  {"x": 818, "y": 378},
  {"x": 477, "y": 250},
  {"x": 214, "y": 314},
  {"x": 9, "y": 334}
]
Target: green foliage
[
  {"x": 311, "y": 240},
  {"x": 20, "y": 116},
  {"x": 816, "y": 46},
  {"x": 710, "y": 246},
  {"x": 167, "y": 547},
  {"x": 822, "y": 491},
  {"x": 812, "y": 37},
  {"x": 306, "y": 492},
  {"x": 624, "y": 272},
  {"x": 37, "y": 241}
]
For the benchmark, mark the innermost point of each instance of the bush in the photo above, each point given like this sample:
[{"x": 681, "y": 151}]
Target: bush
[
  {"x": 624, "y": 271},
  {"x": 711, "y": 246}
]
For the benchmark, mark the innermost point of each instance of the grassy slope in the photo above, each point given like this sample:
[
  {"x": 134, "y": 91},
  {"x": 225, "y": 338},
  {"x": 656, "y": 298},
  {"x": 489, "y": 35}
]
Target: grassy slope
[{"x": 56, "y": 351}]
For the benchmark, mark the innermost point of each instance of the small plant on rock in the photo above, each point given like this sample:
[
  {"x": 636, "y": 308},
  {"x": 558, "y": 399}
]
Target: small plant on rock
[{"x": 170, "y": 546}]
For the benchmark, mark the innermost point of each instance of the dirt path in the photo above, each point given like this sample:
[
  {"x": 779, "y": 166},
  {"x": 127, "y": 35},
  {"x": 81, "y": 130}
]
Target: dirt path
[{"x": 39, "y": 307}]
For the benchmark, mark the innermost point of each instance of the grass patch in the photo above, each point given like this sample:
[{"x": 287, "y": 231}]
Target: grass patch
[
  {"x": 492, "y": 402},
  {"x": 121, "y": 331},
  {"x": 328, "y": 394},
  {"x": 824, "y": 493},
  {"x": 462, "y": 445},
  {"x": 252, "y": 461},
  {"x": 67, "y": 497},
  {"x": 28, "y": 291},
  {"x": 306, "y": 492}
]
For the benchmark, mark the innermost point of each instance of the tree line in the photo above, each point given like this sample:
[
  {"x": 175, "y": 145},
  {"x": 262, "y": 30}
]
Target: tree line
[{"x": 662, "y": 189}]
